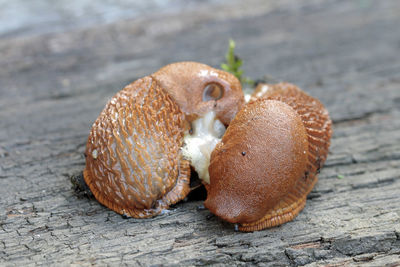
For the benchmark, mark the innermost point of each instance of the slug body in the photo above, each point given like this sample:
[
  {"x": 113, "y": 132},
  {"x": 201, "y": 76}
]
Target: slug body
[
  {"x": 269, "y": 157},
  {"x": 134, "y": 162}
]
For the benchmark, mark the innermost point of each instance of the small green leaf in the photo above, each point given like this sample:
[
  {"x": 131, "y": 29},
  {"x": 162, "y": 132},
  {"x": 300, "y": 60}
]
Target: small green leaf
[
  {"x": 225, "y": 67},
  {"x": 233, "y": 64},
  {"x": 340, "y": 176}
]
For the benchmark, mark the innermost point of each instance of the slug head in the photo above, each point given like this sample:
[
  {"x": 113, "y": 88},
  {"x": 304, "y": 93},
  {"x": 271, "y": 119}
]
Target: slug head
[
  {"x": 260, "y": 158},
  {"x": 198, "y": 89}
]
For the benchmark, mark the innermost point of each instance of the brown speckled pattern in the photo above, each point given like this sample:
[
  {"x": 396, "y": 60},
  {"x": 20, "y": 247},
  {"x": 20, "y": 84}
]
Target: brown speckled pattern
[
  {"x": 259, "y": 160},
  {"x": 314, "y": 116},
  {"x": 133, "y": 160},
  {"x": 317, "y": 125},
  {"x": 138, "y": 138}
]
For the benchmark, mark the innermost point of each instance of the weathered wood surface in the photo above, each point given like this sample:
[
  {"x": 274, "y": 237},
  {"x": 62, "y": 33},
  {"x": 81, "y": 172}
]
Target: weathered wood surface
[{"x": 53, "y": 86}]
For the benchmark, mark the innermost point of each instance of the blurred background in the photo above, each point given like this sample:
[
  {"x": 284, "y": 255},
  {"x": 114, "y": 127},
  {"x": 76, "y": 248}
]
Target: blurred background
[
  {"x": 42, "y": 16},
  {"x": 110, "y": 43}
]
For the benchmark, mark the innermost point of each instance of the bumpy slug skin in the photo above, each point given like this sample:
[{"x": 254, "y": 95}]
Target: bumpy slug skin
[
  {"x": 133, "y": 152},
  {"x": 269, "y": 158},
  {"x": 259, "y": 160},
  {"x": 134, "y": 160},
  {"x": 313, "y": 114}
]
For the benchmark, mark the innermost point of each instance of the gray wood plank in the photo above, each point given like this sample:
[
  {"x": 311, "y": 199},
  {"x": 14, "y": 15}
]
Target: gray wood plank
[{"x": 53, "y": 86}]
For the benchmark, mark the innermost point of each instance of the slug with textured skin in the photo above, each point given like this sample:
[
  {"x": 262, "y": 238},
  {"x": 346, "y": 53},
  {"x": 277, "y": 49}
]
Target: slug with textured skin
[
  {"x": 134, "y": 160},
  {"x": 268, "y": 159}
]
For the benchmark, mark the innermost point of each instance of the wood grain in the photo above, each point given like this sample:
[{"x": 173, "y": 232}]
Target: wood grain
[{"x": 54, "y": 85}]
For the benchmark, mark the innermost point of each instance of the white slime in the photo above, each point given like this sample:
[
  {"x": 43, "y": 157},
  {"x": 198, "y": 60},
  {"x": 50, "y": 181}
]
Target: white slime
[{"x": 197, "y": 148}]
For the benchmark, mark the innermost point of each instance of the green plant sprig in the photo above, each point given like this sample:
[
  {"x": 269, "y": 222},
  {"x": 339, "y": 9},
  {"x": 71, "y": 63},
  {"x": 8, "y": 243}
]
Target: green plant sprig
[{"x": 233, "y": 65}]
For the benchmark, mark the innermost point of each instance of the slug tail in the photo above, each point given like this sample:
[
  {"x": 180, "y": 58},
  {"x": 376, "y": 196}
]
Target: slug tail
[
  {"x": 287, "y": 209},
  {"x": 177, "y": 193}
]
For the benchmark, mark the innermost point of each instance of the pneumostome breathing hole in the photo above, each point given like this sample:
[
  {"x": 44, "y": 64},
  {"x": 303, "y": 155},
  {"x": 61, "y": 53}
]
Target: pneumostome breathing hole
[{"x": 212, "y": 91}]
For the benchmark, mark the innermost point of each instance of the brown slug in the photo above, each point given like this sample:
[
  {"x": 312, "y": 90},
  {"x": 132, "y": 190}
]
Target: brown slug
[
  {"x": 268, "y": 159},
  {"x": 134, "y": 159}
]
